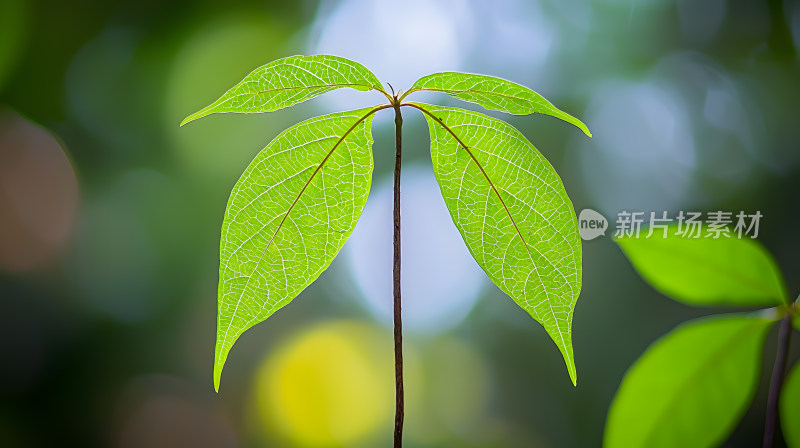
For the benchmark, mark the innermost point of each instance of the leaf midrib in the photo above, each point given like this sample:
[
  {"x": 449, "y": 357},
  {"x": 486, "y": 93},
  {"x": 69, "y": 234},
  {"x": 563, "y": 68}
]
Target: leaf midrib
[
  {"x": 279, "y": 89},
  {"x": 508, "y": 213},
  {"x": 458, "y": 91},
  {"x": 480, "y": 167},
  {"x": 745, "y": 277},
  {"x": 486, "y": 176}
]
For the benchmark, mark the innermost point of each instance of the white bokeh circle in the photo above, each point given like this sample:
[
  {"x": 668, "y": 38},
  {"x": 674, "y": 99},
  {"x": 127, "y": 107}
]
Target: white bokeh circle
[{"x": 440, "y": 279}]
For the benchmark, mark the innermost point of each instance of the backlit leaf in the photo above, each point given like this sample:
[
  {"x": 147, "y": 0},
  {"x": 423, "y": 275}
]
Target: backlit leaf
[
  {"x": 493, "y": 93},
  {"x": 691, "y": 387},
  {"x": 514, "y": 215},
  {"x": 287, "y": 218},
  {"x": 289, "y": 81},
  {"x": 707, "y": 271}
]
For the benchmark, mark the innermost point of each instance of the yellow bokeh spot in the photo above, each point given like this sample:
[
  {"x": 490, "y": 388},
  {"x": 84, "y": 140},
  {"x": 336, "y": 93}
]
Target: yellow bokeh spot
[{"x": 329, "y": 386}]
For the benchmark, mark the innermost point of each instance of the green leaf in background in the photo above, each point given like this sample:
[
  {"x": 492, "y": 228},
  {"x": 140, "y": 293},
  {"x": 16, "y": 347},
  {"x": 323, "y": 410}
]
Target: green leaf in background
[
  {"x": 790, "y": 408},
  {"x": 287, "y": 218},
  {"x": 493, "y": 93},
  {"x": 289, "y": 81},
  {"x": 514, "y": 215},
  {"x": 707, "y": 271},
  {"x": 691, "y": 387}
]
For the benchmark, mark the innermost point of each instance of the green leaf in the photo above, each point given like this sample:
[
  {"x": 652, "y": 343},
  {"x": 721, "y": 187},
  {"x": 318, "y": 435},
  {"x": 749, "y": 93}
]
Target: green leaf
[
  {"x": 691, "y": 387},
  {"x": 287, "y": 218},
  {"x": 707, "y": 271},
  {"x": 790, "y": 408},
  {"x": 493, "y": 93},
  {"x": 513, "y": 213},
  {"x": 289, "y": 81}
]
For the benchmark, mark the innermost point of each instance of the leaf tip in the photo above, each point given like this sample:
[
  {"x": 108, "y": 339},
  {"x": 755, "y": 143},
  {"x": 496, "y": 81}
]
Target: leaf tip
[
  {"x": 573, "y": 374},
  {"x": 194, "y": 116},
  {"x": 575, "y": 122},
  {"x": 217, "y": 376},
  {"x": 208, "y": 110},
  {"x": 565, "y": 347},
  {"x": 220, "y": 355},
  {"x": 582, "y": 127}
]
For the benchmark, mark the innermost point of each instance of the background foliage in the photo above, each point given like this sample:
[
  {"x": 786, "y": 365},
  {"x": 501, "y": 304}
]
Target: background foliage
[{"x": 110, "y": 214}]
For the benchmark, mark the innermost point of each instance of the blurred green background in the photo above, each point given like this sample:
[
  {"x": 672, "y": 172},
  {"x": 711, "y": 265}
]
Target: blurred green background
[{"x": 110, "y": 214}]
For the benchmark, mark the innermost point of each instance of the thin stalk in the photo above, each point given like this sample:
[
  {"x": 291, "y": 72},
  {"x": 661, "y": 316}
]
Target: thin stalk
[
  {"x": 778, "y": 371},
  {"x": 398, "y": 321}
]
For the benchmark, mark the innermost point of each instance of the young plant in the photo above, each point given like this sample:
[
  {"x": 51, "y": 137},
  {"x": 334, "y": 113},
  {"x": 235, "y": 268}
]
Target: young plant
[
  {"x": 691, "y": 387},
  {"x": 298, "y": 201}
]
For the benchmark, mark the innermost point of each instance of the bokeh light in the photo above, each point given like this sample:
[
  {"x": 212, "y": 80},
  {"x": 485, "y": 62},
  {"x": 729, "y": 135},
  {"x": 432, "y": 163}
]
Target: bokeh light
[
  {"x": 118, "y": 257},
  {"x": 332, "y": 385},
  {"x": 159, "y": 411},
  {"x": 496, "y": 41},
  {"x": 38, "y": 195},
  {"x": 440, "y": 280},
  {"x": 100, "y": 77},
  {"x": 329, "y": 386},
  {"x": 652, "y": 147},
  {"x": 399, "y": 41},
  {"x": 215, "y": 57}
]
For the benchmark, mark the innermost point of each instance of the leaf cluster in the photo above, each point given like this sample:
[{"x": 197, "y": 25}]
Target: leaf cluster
[
  {"x": 691, "y": 387},
  {"x": 296, "y": 204}
]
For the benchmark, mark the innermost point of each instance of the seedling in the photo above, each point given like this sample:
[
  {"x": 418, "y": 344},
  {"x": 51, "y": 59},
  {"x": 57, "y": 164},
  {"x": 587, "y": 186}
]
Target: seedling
[{"x": 298, "y": 201}]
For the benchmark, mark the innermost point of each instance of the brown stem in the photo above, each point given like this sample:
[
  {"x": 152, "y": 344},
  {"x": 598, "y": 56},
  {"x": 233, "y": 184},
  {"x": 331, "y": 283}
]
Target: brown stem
[
  {"x": 398, "y": 322},
  {"x": 778, "y": 371}
]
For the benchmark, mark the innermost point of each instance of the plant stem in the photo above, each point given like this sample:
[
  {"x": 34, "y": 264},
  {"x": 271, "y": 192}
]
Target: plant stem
[
  {"x": 398, "y": 321},
  {"x": 778, "y": 371}
]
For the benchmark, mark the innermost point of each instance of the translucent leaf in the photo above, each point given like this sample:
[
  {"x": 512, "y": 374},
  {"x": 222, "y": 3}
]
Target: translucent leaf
[
  {"x": 691, "y": 387},
  {"x": 513, "y": 213},
  {"x": 790, "y": 408},
  {"x": 493, "y": 93},
  {"x": 707, "y": 271},
  {"x": 288, "y": 216},
  {"x": 289, "y": 81}
]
